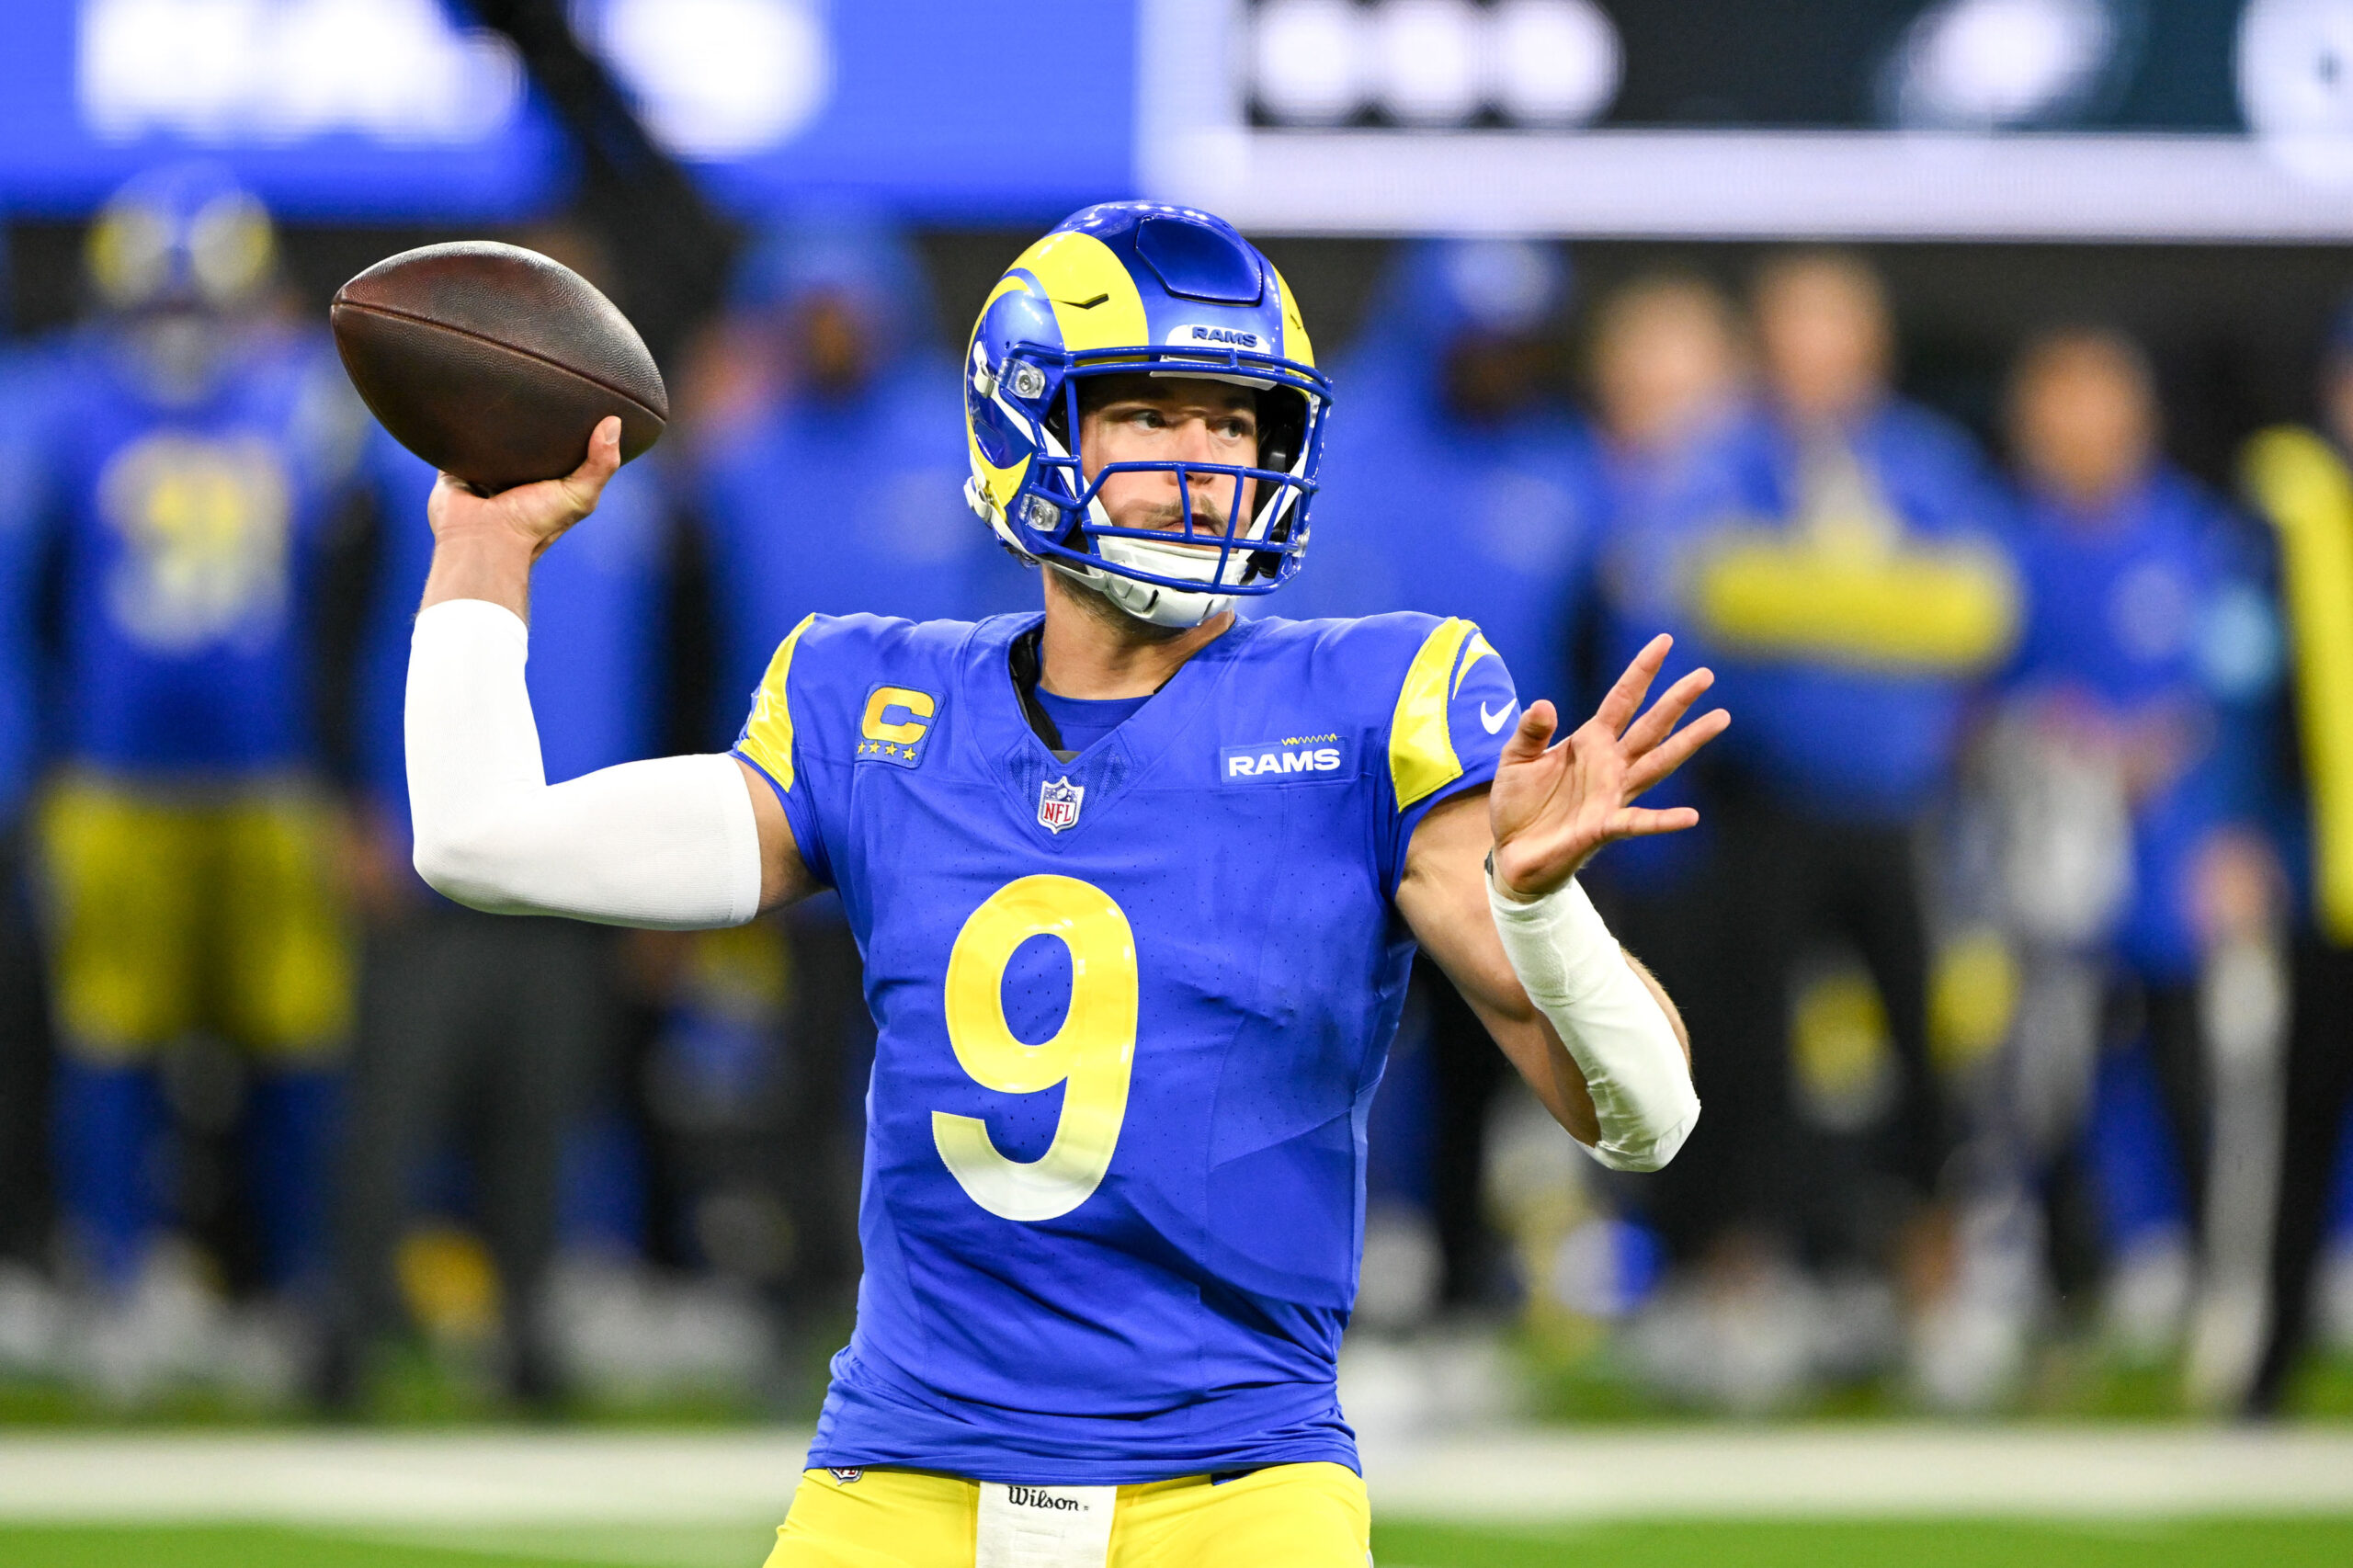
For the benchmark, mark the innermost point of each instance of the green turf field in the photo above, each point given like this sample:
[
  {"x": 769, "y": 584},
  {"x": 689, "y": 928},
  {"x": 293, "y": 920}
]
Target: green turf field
[{"x": 2246, "y": 1543}]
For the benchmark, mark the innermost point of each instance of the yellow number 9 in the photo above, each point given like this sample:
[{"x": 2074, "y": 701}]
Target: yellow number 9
[{"x": 1093, "y": 1052}]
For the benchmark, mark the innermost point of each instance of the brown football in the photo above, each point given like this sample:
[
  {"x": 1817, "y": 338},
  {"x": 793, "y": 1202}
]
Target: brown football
[{"x": 494, "y": 363}]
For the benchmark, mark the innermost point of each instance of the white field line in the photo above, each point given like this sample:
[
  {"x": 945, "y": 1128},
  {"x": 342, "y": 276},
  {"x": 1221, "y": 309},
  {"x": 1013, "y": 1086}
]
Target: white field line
[
  {"x": 1868, "y": 1472},
  {"x": 422, "y": 1481},
  {"x": 409, "y": 1480}
]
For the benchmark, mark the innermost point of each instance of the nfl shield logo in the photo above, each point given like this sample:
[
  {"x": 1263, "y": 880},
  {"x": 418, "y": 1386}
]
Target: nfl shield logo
[{"x": 1058, "y": 803}]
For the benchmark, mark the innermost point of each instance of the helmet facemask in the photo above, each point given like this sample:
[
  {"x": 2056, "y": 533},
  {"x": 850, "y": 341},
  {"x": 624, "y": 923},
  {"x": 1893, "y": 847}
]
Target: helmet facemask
[{"x": 1176, "y": 576}]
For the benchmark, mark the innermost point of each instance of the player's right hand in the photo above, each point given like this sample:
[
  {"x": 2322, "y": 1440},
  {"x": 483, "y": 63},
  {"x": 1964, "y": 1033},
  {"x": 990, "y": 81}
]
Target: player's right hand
[{"x": 531, "y": 516}]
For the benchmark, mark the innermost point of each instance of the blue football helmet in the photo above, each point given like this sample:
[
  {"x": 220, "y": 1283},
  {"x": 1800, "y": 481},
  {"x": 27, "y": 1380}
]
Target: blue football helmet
[
  {"x": 183, "y": 236},
  {"x": 1131, "y": 287}
]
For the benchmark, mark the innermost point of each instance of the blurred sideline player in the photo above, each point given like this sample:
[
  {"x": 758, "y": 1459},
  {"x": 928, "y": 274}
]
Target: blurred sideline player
[
  {"x": 2146, "y": 645},
  {"x": 2302, "y": 479},
  {"x": 1669, "y": 366},
  {"x": 1138, "y": 886},
  {"x": 491, "y": 1037},
  {"x": 1856, "y": 601},
  {"x": 25, "y": 1307},
  {"x": 199, "y": 453},
  {"x": 855, "y": 393},
  {"x": 839, "y": 378},
  {"x": 1458, "y": 482}
]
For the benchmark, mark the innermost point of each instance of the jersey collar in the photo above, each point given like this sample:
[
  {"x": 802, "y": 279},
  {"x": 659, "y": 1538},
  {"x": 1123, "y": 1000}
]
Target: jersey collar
[{"x": 1112, "y": 766}]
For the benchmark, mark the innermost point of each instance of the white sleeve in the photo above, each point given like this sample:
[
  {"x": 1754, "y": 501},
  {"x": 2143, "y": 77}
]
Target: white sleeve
[
  {"x": 1578, "y": 977},
  {"x": 669, "y": 842}
]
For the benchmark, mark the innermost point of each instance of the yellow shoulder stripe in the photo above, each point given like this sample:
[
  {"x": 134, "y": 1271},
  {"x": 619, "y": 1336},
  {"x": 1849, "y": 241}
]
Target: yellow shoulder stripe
[
  {"x": 767, "y": 739},
  {"x": 1422, "y": 760},
  {"x": 2303, "y": 488}
]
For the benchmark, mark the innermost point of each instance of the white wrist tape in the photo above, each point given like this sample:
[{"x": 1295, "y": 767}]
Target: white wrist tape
[
  {"x": 1578, "y": 977},
  {"x": 669, "y": 842}
]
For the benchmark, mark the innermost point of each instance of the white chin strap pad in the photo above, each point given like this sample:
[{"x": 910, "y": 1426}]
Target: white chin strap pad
[{"x": 1159, "y": 606}]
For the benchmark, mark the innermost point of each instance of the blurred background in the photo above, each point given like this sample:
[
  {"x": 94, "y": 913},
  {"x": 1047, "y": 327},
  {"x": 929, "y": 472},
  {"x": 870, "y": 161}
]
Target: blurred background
[{"x": 1969, "y": 383}]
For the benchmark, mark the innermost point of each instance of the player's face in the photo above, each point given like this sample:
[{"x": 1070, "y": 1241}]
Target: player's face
[
  {"x": 1665, "y": 362},
  {"x": 1168, "y": 419},
  {"x": 1825, "y": 336},
  {"x": 2082, "y": 420}
]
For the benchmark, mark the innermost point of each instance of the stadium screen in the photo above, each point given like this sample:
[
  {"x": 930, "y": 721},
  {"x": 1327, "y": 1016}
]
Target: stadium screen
[
  {"x": 2031, "y": 118},
  {"x": 2058, "y": 119}
]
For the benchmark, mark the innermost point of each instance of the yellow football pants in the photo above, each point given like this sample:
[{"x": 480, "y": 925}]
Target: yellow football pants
[
  {"x": 1298, "y": 1515},
  {"x": 171, "y": 912}
]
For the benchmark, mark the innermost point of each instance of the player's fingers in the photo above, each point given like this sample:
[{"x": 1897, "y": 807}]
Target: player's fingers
[
  {"x": 1626, "y": 698},
  {"x": 604, "y": 459},
  {"x": 1654, "y": 765},
  {"x": 583, "y": 484},
  {"x": 1532, "y": 733},
  {"x": 1667, "y": 712},
  {"x": 1637, "y": 822}
]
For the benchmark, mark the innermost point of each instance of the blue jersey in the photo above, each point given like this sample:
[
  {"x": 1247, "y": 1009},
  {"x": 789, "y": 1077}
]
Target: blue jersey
[
  {"x": 1838, "y": 741},
  {"x": 1131, "y": 1009},
  {"x": 597, "y": 598},
  {"x": 2152, "y": 610},
  {"x": 191, "y": 536}
]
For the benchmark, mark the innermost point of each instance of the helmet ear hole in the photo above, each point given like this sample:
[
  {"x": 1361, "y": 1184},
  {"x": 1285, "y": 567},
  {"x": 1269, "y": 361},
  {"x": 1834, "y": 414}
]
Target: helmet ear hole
[{"x": 1282, "y": 428}]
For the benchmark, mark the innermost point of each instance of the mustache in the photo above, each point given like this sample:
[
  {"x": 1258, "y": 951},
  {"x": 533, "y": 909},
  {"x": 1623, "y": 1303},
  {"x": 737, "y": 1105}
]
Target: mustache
[{"x": 1209, "y": 517}]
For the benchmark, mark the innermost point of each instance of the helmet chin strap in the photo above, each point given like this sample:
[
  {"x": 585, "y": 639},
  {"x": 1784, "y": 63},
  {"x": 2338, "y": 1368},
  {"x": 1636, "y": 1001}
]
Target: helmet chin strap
[{"x": 1148, "y": 602}]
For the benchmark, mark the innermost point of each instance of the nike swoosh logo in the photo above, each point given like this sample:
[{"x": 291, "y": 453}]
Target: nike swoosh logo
[{"x": 1496, "y": 720}]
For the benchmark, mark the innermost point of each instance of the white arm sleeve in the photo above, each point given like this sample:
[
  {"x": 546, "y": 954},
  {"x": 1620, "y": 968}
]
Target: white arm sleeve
[
  {"x": 669, "y": 842},
  {"x": 1578, "y": 977}
]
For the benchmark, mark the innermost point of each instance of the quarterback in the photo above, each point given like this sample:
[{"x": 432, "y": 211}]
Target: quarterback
[{"x": 1137, "y": 883}]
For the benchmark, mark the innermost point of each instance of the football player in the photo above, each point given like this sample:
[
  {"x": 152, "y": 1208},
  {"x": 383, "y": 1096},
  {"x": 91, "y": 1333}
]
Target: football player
[
  {"x": 1138, "y": 883},
  {"x": 2147, "y": 640},
  {"x": 198, "y": 454}
]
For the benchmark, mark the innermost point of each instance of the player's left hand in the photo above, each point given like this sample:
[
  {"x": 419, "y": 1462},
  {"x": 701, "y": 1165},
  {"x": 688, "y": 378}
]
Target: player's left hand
[{"x": 1552, "y": 806}]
